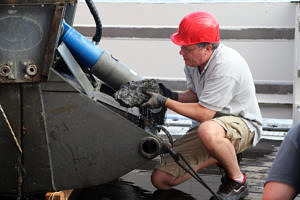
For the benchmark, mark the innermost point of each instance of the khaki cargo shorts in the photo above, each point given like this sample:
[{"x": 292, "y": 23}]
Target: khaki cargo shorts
[{"x": 193, "y": 150}]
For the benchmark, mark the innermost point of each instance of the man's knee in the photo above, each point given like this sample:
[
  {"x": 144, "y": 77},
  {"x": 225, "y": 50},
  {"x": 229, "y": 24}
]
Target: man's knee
[
  {"x": 210, "y": 131},
  {"x": 160, "y": 180},
  {"x": 155, "y": 178},
  {"x": 204, "y": 132}
]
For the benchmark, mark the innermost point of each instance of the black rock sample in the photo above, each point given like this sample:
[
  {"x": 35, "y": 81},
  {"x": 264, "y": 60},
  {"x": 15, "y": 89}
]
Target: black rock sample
[{"x": 132, "y": 94}]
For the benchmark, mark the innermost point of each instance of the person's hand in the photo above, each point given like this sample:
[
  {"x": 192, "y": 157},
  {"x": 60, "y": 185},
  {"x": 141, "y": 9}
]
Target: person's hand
[
  {"x": 168, "y": 93},
  {"x": 156, "y": 100}
]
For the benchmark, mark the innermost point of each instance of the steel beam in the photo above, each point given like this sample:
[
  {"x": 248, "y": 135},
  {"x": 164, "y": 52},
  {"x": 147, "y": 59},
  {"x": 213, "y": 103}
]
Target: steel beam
[{"x": 296, "y": 94}]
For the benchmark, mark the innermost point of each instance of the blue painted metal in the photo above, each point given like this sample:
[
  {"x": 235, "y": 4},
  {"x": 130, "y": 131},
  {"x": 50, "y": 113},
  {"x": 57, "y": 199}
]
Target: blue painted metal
[{"x": 85, "y": 52}]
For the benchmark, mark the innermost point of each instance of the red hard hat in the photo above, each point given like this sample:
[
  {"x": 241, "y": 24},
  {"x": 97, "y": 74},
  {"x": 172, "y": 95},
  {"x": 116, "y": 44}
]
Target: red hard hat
[{"x": 195, "y": 28}]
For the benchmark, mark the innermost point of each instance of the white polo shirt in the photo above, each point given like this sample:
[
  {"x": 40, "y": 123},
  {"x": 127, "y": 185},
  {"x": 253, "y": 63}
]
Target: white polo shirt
[{"x": 226, "y": 86}]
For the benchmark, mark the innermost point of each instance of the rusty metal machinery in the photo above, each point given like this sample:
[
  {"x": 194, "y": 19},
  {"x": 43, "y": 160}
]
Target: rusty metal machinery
[
  {"x": 28, "y": 38},
  {"x": 70, "y": 133}
]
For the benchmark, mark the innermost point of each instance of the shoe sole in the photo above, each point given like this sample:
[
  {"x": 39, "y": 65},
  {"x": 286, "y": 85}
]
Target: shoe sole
[{"x": 244, "y": 194}]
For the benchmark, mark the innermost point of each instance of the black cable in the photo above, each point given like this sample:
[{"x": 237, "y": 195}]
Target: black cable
[
  {"x": 93, "y": 80},
  {"x": 198, "y": 177},
  {"x": 177, "y": 156},
  {"x": 168, "y": 148},
  {"x": 94, "y": 12},
  {"x": 191, "y": 171},
  {"x": 168, "y": 134}
]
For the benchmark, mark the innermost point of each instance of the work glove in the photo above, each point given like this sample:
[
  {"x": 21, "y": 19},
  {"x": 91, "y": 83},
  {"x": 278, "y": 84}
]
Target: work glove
[
  {"x": 156, "y": 100},
  {"x": 168, "y": 93}
]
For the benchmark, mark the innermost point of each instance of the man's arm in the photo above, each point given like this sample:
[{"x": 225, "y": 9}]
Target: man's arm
[
  {"x": 187, "y": 97},
  {"x": 191, "y": 110}
]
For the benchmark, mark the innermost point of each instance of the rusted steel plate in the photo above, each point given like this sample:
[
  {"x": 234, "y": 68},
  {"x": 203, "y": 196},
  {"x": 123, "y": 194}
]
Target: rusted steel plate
[
  {"x": 11, "y": 104},
  {"x": 22, "y": 2},
  {"x": 89, "y": 143},
  {"x": 36, "y": 160}
]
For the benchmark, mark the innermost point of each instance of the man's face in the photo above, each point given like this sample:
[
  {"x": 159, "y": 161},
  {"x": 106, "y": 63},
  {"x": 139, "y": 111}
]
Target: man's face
[{"x": 194, "y": 55}]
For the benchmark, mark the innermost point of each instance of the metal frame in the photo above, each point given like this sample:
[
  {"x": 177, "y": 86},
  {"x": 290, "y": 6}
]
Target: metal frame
[
  {"x": 85, "y": 85},
  {"x": 53, "y": 39},
  {"x": 41, "y": 55},
  {"x": 296, "y": 92},
  {"x": 254, "y": 33},
  {"x": 39, "y": 2}
]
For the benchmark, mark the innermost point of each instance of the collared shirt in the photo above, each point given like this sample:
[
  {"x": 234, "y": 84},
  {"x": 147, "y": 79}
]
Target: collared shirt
[{"x": 226, "y": 86}]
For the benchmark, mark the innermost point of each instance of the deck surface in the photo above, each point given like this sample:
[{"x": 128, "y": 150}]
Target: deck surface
[
  {"x": 256, "y": 163},
  {"x": 136, "y": 185}
]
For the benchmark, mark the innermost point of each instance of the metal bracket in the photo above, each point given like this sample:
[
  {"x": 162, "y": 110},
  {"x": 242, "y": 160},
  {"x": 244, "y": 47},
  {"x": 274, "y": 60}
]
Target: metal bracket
[
  {"x": 86, "y": 86},
  {"x": 296, "y": 81}
]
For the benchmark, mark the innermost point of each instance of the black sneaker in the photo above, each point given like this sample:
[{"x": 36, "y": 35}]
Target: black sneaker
[{"x": 231, "y": 189}]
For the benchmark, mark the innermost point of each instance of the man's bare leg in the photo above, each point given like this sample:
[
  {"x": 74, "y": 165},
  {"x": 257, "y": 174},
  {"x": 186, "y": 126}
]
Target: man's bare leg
[
  {"x": 165, "y": 181},
  {"x": 220, "y": 147}
]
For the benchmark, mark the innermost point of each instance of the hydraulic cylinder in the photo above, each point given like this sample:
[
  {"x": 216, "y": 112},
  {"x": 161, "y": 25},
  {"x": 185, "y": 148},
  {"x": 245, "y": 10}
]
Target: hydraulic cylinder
[{"x": 108, "y": 69}]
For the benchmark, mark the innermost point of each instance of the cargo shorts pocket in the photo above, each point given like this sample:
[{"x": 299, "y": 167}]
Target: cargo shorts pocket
[{"x": 237, "y": 132}]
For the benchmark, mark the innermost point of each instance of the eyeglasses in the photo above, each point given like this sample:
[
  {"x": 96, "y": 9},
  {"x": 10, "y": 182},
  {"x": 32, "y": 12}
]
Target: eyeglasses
[{"x": 188, "y": 49}]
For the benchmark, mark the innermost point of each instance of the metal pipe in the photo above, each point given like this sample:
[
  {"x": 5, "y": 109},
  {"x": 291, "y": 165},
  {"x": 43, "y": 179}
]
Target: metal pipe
[
  {"x": 113, "y": 72},
  {"x": 151, "y": 147},
  {"x": 100, "y": 63}
]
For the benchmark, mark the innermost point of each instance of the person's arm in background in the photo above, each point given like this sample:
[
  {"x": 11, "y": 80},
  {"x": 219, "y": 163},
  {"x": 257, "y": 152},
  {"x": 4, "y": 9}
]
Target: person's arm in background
[
  {"x": 278, "y": 191},
  {"x": 283, "y": 181}
]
